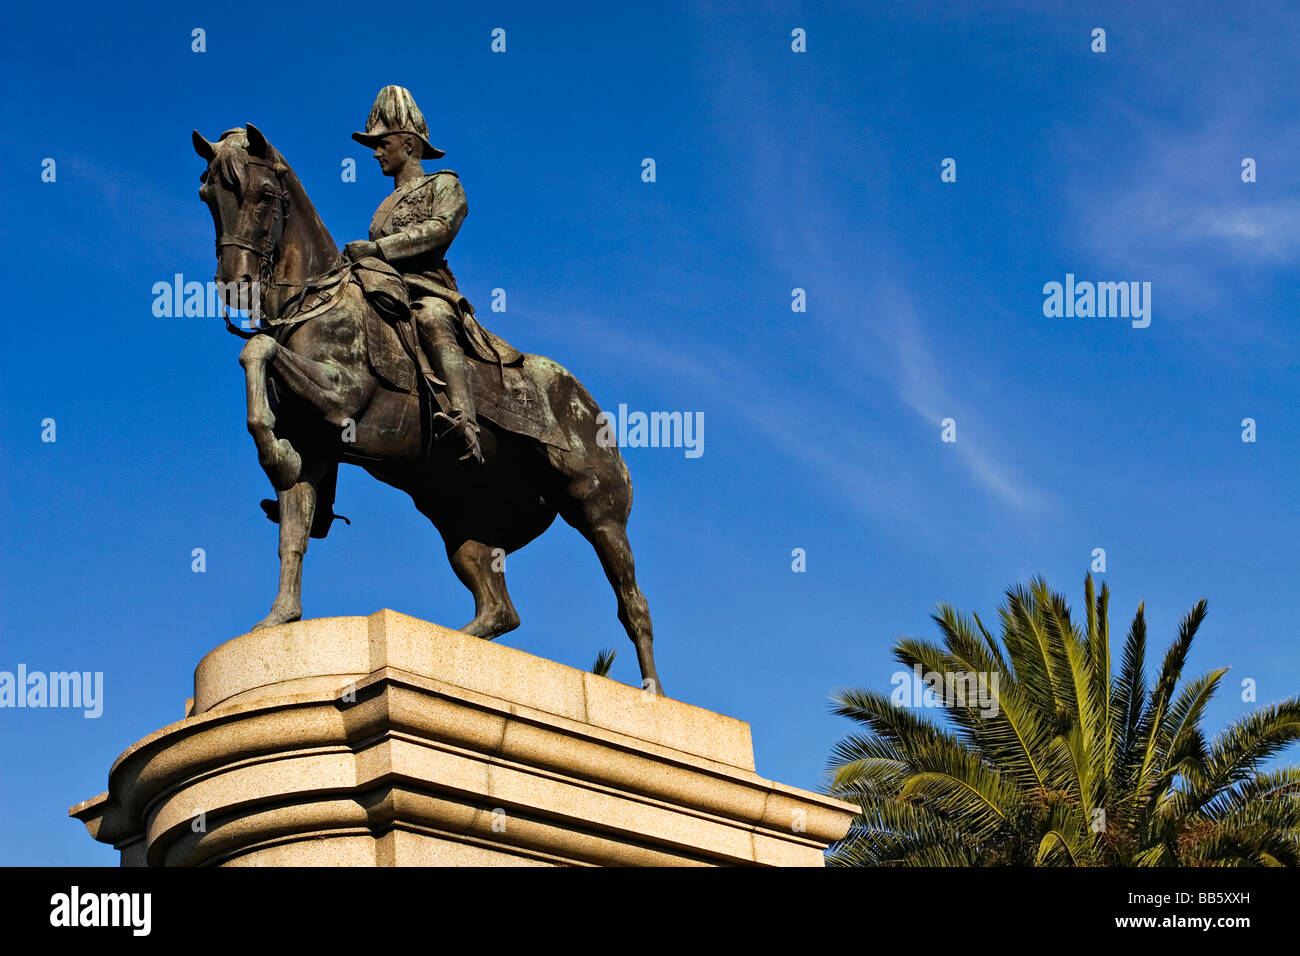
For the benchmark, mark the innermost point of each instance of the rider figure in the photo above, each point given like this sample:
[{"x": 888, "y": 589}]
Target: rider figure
[{"x": 411, "y": 230}]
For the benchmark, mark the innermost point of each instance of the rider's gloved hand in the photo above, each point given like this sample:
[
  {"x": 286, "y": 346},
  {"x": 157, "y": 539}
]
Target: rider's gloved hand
[{"x": 361, "y": 248}]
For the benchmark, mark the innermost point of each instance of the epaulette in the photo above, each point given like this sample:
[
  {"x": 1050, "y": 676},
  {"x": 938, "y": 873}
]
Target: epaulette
[{"x": 449, "y": 171}]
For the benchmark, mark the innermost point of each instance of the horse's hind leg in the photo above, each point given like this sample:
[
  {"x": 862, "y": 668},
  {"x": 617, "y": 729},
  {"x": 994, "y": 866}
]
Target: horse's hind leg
[
  {"x": 601, "y": 518},
  {"x": 481, "y": 568},
  {"x": 479, "y": 565},
  {"x": 297, "y": 508}
]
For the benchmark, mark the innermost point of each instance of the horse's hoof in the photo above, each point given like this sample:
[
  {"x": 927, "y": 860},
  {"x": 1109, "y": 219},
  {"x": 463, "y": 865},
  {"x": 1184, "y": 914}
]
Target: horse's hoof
[
  {"x": 278, "y": 617},
  {"x": 492, "y": 625}
]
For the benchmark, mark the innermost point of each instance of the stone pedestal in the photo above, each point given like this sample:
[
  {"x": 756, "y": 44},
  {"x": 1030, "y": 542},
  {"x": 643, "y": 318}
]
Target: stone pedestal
[{"x": 390, "y": 741}]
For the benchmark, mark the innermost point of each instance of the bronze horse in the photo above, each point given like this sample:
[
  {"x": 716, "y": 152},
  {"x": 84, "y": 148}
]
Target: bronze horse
[{"x": 314, "y": 402}]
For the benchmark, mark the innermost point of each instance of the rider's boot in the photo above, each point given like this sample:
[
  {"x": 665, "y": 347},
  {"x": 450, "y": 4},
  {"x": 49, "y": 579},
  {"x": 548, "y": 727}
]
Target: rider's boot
[{"x": 453, "y": 368}]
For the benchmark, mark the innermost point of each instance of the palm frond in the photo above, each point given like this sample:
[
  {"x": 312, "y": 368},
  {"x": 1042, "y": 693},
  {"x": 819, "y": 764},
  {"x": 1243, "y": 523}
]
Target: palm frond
[
  {"x": 604, "y": 661},
  {"x": 1049, "y": 759}
]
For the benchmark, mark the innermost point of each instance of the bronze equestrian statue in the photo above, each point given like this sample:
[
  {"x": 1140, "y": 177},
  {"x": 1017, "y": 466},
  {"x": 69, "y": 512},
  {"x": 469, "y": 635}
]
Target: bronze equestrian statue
[{"x": 373, "y": 358}]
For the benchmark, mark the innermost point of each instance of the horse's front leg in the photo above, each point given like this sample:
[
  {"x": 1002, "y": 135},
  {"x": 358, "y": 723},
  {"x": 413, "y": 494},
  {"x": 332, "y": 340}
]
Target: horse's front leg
[
  {"x": 325, "y": 387},
  {"x": 280, "y": 460},
  {"x": 297, "y": 508},
  {"x": 339, "y": 389}
]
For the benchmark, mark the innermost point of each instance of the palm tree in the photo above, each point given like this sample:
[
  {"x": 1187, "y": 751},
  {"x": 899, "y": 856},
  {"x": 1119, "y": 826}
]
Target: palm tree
[
  {"x": 1050, "y": 759},
  {"x": 604, "y": 661}
]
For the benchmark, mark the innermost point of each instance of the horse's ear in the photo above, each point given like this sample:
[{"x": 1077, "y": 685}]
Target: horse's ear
[
  {"x": 205, "y": 149},
  {"x": 257, "y": 144}
]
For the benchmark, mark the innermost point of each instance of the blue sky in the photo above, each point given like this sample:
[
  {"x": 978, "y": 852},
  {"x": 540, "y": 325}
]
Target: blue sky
[{"x": 775, "y": 170}]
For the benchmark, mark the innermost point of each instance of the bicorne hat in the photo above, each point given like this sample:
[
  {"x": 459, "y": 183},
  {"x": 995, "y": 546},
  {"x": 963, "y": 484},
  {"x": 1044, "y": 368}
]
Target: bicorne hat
[{"x": 395, "y": 112}]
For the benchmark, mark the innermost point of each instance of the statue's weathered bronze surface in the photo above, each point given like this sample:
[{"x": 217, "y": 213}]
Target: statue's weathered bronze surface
[
  {"x": 374, "y": 358},
  {"x": 412, "y": 230}
]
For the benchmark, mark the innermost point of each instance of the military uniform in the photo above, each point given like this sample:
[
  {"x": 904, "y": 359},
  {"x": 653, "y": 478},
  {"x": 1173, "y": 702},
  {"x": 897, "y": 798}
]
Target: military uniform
[{"x": 411, "y": 230}]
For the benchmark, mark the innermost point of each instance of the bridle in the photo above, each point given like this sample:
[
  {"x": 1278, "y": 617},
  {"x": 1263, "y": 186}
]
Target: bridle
[{"x": 265, "y": 248}]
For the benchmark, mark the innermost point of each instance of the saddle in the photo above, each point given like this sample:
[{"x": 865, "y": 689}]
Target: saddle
[{"x": 509, "y": 395}]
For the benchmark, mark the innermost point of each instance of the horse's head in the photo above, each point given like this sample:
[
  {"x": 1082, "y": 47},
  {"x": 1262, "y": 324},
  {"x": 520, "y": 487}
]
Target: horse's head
[{"x": 244, "y": 187}]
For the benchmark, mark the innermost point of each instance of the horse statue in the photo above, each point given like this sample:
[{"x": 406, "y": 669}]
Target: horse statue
[{"x": 318, "y": 396}]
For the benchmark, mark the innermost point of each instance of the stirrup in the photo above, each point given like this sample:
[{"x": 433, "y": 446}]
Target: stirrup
[
  {"x": 461, "y": 422},
  {"x": 320, "y": 524}
]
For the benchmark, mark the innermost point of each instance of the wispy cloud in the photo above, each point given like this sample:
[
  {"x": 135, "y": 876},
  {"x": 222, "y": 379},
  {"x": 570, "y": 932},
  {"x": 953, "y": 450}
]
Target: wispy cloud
[
  {"x": 922, "y": 385},
  {"x": 1165, "y": 213},
  {"x": 827, "y": 431},
  {"x": 1255, "y": 229},
  {"x": 877, "y": 352},
  {"x": 1178, "y": 195},
  {"x": 806, "y": 427}
]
